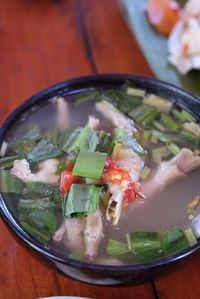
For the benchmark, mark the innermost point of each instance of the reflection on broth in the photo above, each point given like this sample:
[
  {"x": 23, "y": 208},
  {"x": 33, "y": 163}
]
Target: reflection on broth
[{"x": 106, "y": 176}]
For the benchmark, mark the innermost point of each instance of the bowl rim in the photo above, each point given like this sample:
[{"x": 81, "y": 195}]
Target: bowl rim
[{"x": 64, "y": 88}]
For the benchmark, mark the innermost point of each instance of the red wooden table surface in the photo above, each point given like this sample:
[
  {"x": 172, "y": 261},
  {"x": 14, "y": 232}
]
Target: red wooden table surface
[{"x": 43, "y": 42}]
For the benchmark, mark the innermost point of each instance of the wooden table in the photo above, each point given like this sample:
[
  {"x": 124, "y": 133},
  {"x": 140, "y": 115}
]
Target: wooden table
[{"x": 43, "y": 42}]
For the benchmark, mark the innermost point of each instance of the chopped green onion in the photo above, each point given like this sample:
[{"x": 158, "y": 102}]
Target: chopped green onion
[
  {"x": 190, "y": 138},
  {"x": 145, "y": 173},
  {"x": 150, "y": 118},
  {"x": 161, "y": 136},
  {"x": 122, "y": 137},
  {"x": 140, "y": 113},
  {"x": 146, "y": 246},
  {"x": 3, "y": 150},
  {"x": 116, "y": 248},
  {"x": 174, "y": 241},
  {"x": 169, "y": 122},
  {"x": 43, "y": 150},
  {"x": 158, "y": 126},
  {"x": 52, "y": 135},
  {"x": 190, "y": 236},
  {"x": 81, "y": 200},
  {"x": 33, "y": 203},
  {"x": 159, "y": 153},
  {"x": 128, "y": 241},
  {"x": 27, "y": 142},
  {"x": 178, "y": 115},
  {"x": 89, "y": 164},
  {"x": 193, "y": 128},
  {"x": 89, "y": 181},
  {"x": 126, "y": 102},
  {"x": 34, "y": 190},
  {"x": 136, "y": 92},
  {"x": 146, "y": 135},
  {"x": 147, "y": 116},
  {"x": 173, "y": 148},
  {"x": 154, "y": 140},
  {"x": 87, "y": 140},
  {"x": 38, "y": 218},
  {"x": 159, "y": 103},
  {"x": 68, "y": 137},
  {"x": 105, "y": 141},
  {"x": 85, "y": 97},
  {"x": 187, "y": 116}
]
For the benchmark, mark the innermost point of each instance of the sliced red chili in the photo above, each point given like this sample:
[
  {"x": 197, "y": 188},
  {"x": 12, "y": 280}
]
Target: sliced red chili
[{"x": 67, "y": 178}]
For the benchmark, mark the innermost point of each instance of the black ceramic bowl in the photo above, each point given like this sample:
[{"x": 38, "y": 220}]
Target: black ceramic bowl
[{"x": 88, "y": 272}]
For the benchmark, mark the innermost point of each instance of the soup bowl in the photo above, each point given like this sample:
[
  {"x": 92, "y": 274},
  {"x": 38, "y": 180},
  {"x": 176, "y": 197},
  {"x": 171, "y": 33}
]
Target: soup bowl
[{"x": 81, "y": 270}]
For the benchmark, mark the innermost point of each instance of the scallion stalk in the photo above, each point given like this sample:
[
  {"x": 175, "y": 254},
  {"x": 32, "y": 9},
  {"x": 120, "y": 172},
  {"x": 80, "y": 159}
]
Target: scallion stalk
[
  {"x": 146, "y": 246},
  {"x": 158, "y": 126},
  {"x": 116, "y": 248},
  {"x": 81, "y": 200},
  {"x": 174, "y": 241},
  {"x": 173, "y": 148},
  {"x": 190, "y": 236},
  {"x": 89, "y": 164},
  {"x": 169, "y": 122},
  {"x": 159, "y": 103},
  {"x": 136, "y": 92},
  {"x": 145, "y": 173}
]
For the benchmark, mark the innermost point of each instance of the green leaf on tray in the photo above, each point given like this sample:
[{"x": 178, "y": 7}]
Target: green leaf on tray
[{"x": 154, "y": 47}]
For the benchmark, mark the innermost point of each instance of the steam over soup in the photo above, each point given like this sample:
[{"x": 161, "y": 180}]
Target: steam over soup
[{"x": 107, "y": 176}]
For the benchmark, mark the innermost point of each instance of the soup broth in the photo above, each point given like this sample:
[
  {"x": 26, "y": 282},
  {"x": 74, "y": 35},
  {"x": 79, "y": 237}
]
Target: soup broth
[{"x": 105, "y": 176}]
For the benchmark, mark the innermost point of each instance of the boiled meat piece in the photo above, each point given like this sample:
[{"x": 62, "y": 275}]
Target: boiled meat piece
[
  {"x": 63, "y": 115},
  {"x": 93, "y": 122},
  {"x": 93, "y": 234},
  {"x": 71, "y": 234},
  {"x": 46, "y": 173},
  {"x": 170, "y": 171},
  {"x": 118, "y": 119}
]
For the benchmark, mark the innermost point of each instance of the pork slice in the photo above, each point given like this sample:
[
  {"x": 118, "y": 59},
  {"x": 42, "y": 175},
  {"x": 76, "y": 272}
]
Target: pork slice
[
  {"x": 186, "y": 161},
  {"x": 118, "y": 119},
  {"x": 47, "y": 170},
  {"x": 93, "y": 122},
  {"x": 63, "y": 115},
  {"x": 46, "y": 173},
  {"x": 170, "y": 171},
  {"x": 21, "y": 169},
  {"x": 125, "y": 157},
  {"x": 71, "y": 234},
  {"x": 93, "y": 234}
]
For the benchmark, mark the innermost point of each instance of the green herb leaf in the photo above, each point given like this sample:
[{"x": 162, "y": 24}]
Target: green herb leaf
[
  {"x": 174, "y": 241},
  {"x": 89, "y": 164},
  {"x": 146, "y": 245},
  {"x": 122, "y": 137},
  {"x": 116, "y": 248},
  {"x": 10, "y": 183},
  {"x": 81, "y": 200},
  {"x": 43, "y": 150}
]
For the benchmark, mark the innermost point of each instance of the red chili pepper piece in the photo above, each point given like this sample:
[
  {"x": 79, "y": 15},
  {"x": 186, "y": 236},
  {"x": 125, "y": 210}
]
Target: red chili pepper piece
[
  {"x": 67, "y": 178},
  {"x": 131, "y": 192},
  {"x": 113, "y": 173}
]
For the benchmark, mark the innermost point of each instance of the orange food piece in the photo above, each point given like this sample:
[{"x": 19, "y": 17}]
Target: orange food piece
[
  {"x": 163, "y": 14},
  {"x": 113, "y": 173}
]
